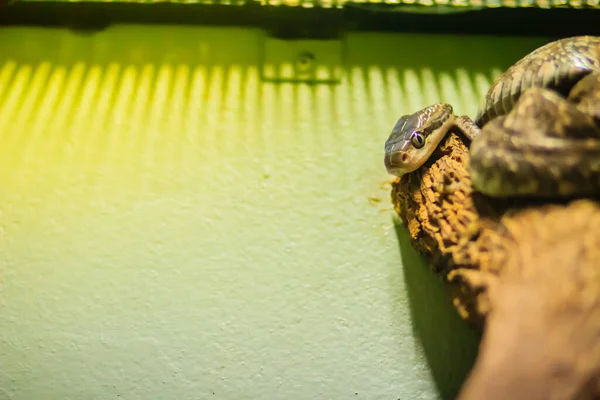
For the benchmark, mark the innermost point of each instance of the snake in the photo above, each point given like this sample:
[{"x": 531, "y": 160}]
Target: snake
[{"x": 536, "y": 132}]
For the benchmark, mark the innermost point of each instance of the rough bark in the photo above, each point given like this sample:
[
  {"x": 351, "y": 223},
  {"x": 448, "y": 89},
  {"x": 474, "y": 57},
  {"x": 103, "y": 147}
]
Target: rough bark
[{"x": 527, "y": 273}]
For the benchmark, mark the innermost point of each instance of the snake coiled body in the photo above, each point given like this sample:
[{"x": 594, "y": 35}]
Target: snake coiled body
[
  {"x": 557, "y": 66},
  {"x": 537, "y": 131},
  {"x": 540, "y": 128}
]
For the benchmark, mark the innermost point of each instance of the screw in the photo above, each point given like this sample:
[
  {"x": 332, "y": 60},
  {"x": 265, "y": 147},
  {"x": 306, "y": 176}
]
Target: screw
[{"x": 305, "y": 62}]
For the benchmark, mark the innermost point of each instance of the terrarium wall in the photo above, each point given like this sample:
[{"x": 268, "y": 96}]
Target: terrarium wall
[{"x": 172, "y": 226}]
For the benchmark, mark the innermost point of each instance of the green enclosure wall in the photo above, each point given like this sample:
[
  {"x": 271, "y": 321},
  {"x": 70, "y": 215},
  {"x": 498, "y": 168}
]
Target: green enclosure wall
[{"x": 171, "y": 227}]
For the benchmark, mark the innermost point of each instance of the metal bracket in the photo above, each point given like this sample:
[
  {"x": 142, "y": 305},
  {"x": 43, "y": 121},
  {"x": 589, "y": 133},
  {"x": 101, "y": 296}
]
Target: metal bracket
[{"x": 302, "y": 60}]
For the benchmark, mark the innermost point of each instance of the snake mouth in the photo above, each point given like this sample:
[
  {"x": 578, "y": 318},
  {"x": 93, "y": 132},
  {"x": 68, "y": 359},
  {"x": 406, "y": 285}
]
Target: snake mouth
[{"x": 398, "y": 162}]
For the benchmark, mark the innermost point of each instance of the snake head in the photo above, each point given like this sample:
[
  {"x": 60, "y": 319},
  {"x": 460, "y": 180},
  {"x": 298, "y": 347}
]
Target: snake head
[{"x": 415, "y": 137}]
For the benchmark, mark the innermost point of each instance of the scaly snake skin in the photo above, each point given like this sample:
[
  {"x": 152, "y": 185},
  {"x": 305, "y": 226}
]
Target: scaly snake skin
[
  {"x": 534, "y": 141},
  {"x": 557, "y": 66},
  {"x": 537, "y": 132}
]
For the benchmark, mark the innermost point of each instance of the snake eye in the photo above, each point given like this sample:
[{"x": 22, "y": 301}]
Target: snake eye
[{"x": 417, "y": 139}]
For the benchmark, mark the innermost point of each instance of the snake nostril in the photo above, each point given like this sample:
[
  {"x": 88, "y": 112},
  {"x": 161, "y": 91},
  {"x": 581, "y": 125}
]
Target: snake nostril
[{"x": 404, "y": 157}]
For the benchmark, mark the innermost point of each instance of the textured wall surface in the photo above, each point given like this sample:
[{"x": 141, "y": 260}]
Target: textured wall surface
[{"x": 172, "y": 227}]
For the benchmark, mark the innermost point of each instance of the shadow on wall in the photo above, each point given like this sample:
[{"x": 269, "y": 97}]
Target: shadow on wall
[
  {"x": 187, "y": 80},
  {"x": 449, "y": 344},
  {"x": 425, "y": 68}
]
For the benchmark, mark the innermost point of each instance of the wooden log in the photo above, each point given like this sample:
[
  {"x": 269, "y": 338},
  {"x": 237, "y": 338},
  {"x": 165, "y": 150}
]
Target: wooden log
[{"x": 527, "y": 273}]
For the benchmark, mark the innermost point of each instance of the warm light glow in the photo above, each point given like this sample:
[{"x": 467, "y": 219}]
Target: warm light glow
[
  {"x": 213, "y": 126},
  {"x": 483, "y": 83},
  {"x": 85, "y": 109},
  {"x": 413, "y": 89},
  {"x": 463, "y": 87},
  {"x": 129, "y": 117},
  {"x": 378, "y": 102},
  {"x": 119, "y": 114},
  {"x": 195, "y": 104},
  {"x": 450, "y": 91},
  {"x": 14, "y": 94},
  {"x": 42, "y": 118},
  {"x": 155, "y": 126},
  {"x": 6, "y": 73},
  {"x": 62, "y": 113},
  {"x": 395, "y": 94}
]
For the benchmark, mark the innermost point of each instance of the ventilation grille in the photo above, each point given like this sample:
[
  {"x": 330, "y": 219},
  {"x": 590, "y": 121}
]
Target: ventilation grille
[{"x": 423, "y": 6}]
